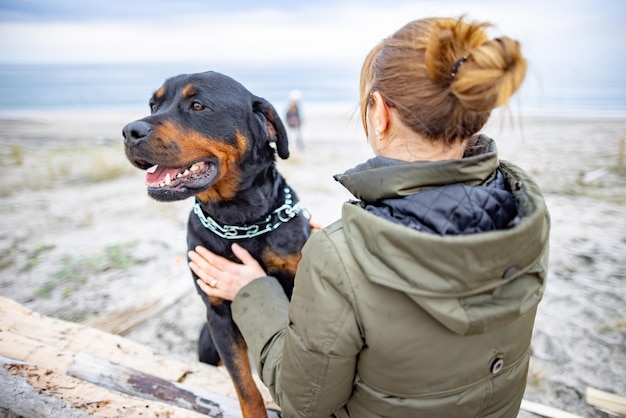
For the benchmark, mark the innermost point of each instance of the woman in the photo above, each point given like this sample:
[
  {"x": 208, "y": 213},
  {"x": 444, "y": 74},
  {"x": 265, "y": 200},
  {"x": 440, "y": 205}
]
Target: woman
[{"x": 421, "y": 300}]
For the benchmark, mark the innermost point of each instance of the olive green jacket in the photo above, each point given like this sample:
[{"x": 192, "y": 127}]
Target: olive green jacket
[{"x": 389, "y": 321}]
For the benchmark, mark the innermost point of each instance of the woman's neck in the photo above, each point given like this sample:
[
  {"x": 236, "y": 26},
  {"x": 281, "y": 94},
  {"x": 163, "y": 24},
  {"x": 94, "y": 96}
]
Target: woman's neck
[
  {"x": 400, "y": 142},
  {"x": 407, "y": 145}
]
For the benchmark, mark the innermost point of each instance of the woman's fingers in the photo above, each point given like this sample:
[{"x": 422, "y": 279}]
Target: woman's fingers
[
  {"x": 210, "y": 261},
  {"x": 316, "y": 224},
  {"x": 201, "y": 272},
  {"x": 202, "y": 267},
  {"x": 243, "y": 255},
  {"x": 211, "y": 258},
  {"x": 206, "y": 288}
]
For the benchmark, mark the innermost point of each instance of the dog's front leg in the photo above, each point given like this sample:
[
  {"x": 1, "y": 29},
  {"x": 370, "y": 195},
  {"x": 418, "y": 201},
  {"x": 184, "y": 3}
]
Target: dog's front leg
[{"x": 233, "y": 352}]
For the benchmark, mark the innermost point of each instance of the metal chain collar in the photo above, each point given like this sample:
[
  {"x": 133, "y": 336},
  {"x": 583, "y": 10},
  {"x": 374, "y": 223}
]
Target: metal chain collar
[{"x": 279, "y": 216}]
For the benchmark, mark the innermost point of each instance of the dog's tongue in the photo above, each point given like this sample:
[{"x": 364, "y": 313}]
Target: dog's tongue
[{"x": 156, "y": 175}]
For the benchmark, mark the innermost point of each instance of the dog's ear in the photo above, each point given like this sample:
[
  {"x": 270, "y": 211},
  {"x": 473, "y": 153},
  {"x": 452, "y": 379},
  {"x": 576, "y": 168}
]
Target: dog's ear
[{"x": 276, "y": 132}]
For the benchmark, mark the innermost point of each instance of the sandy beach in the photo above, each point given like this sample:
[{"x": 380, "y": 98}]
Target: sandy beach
[{"x": 81, "y": 240}]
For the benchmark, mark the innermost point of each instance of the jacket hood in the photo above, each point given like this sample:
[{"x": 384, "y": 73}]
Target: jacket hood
[
  {"x": 381, "y": 178},
  {"x": 470, "y": 283}
]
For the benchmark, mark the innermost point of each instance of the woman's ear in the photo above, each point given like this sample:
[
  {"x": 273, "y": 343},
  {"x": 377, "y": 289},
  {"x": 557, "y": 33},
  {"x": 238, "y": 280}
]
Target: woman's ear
[{"x": 379, "y": 114}]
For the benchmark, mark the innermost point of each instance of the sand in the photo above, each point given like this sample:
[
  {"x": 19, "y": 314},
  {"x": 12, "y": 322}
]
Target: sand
[{"x": 80, "y": 240}]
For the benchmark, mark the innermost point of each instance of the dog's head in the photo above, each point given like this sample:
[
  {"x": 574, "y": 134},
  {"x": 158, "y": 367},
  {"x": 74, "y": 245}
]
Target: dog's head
[{"x": 205, "y": 133}]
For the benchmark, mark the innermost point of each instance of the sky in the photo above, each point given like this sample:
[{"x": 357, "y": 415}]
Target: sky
[
  {"x": 570, "y": 40},
  {"x": 556, "y": 33}
]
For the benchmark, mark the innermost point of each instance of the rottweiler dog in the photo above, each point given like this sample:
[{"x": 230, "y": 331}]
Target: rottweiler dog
[{"x": 209, "y": 138}]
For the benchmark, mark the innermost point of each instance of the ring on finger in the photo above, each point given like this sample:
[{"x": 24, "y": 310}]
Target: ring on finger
[{"x": 213, "y": 283}]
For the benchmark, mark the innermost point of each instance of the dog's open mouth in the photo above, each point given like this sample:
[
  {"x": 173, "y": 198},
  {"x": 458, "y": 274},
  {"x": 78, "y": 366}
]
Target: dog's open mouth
[{"x": 199, "y": 175}]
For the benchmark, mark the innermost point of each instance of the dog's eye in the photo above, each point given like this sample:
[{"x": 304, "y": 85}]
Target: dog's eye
[
  {"x": 152, "y": 107},
  {"x": 197, "y": 106}
]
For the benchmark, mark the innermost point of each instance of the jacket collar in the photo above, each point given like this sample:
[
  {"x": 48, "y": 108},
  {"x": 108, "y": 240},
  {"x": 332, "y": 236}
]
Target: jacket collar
[{"x": 382, "y": 178}]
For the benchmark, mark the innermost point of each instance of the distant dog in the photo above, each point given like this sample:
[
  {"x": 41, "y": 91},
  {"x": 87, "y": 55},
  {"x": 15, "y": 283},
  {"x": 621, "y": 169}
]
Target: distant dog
[{"x": 207, "y": 136}]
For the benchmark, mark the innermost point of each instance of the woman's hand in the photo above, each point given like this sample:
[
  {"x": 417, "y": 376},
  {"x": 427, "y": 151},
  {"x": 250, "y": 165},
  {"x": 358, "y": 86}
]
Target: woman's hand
[{"x": 221, "y": 277}]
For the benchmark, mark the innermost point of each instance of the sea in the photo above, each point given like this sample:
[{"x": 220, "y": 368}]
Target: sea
[{"x": 28, "y": 88}]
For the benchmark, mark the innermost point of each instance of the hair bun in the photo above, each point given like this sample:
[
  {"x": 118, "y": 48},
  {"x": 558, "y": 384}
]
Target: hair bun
[{"x": 494, "y": 72}]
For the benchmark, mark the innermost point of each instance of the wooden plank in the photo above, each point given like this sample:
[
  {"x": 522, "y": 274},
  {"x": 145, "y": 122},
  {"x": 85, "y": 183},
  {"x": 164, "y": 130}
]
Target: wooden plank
[
  {"x": 52, "y": 343},
  {"x": 30, "y": 351},
  {"x": 33, "y": 391},
  {"x": 605, "y": 401},
  {"x": 72, "y": 337},
  {"x": 546, "y": 411},
  {"x": 135, "y": 383}
]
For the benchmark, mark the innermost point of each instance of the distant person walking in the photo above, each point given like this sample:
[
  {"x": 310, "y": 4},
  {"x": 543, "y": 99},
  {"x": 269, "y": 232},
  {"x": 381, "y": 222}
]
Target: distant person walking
[{"x": 294, "y": 121}]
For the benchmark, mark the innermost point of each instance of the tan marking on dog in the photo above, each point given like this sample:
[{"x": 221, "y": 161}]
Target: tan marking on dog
[
  {"x": 275, "y": 261},
  {"x": 192, "y": 146},
  {"x": 160, "y": 93},
  {"x": 189, "y": 91},
  {"x": 230, "y": 174},
  {"x": 250, "y": 399},
  {"x": 215, "y": 301}
]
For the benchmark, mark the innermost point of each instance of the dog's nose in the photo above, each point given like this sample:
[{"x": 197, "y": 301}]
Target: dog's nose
[{"x": 135, "y": 131}]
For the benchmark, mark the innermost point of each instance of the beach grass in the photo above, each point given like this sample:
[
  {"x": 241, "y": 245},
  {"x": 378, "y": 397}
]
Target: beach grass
[
  {"x": 75, "y": 270},
  {"x": 42, "y": 168}
]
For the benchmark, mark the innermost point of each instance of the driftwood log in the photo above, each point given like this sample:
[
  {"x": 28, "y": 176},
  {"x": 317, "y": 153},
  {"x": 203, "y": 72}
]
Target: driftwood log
[
  {"x": 39, "y": 350},
  {"x": 32, "y": 391},
  {"x": 607, "y": 402},
  {"x": 135, "y": 383}
]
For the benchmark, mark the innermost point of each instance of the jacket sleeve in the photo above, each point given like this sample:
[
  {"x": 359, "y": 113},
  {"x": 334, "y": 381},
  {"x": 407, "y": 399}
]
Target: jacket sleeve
[{"x": 307, "y": 358}]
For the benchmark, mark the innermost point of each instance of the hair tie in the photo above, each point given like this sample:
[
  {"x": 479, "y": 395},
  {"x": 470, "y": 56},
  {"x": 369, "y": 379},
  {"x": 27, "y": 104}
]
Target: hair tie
[{"x": 455, "y": 67}]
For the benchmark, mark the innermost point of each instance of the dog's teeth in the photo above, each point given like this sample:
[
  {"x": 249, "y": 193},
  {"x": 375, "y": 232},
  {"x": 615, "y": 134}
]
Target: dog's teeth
[
  {"x": 186, "y": 173},
  {"x": 195, "y": 167},
  {"x": 168, "y": 180},
  {"x": 152, "y": 169}
]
